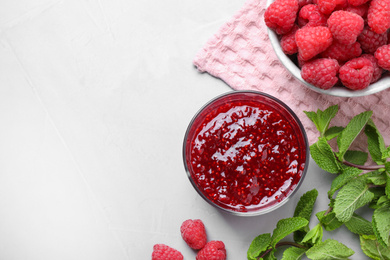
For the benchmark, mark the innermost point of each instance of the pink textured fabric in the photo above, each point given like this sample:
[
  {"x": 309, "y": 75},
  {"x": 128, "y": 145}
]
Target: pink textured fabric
[{"x": 241, "y": 55}]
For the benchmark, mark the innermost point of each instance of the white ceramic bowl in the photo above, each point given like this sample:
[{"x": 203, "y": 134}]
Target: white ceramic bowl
[{"x": 380, "y": 85}]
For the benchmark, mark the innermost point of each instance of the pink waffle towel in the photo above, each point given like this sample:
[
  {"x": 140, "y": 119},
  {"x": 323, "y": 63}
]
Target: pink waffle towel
[{"x": 241, "y": 55}]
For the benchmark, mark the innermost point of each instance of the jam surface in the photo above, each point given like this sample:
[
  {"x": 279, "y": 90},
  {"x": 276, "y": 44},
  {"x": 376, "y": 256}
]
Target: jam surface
[{"x": 245, "y": 155}]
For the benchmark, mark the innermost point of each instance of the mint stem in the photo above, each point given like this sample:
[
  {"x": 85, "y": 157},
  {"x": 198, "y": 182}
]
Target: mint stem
[
  {"x": 328, "y": 211},
  {"x": 364, "y": 167},
  {"x": 376, "y": 186},
  {"x": 281, "y": 244}
]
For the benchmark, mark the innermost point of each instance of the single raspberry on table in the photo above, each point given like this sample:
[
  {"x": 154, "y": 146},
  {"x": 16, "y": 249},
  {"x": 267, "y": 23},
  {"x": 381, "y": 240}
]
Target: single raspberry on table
[
  {"x": 287, "y": 42},
  {"x": 193, "y": 233},
  {"x": 321, "y": 73},
  {"x": 342, "y": 52},
  {"x": 382, "y": 54},
  {"x": 213, "y": 250},
  {"x": 310, "y": 15},
  {"x": 357, "y": 73},
  {"x": 370, "y": 41},
  {"x": 280, "y": 15},
  {"x": 378, "y": 71},
  {"x": 345, "y": 26},
  {"x": 328, "y": 6},
  {"x": 378, "y": 16},
  {"x": 312, "y": 41},
  {"x": 164, "y": 252}
]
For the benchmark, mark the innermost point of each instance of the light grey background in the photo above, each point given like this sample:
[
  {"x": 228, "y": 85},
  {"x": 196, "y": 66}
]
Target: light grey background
[{"x": 95, "y": 98}]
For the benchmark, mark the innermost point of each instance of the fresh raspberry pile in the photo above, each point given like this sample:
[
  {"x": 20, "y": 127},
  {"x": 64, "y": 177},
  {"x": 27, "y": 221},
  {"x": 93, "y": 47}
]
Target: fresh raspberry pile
[
  {"x": 194, "y": 234},
  {"x": 335, "y": 42}
]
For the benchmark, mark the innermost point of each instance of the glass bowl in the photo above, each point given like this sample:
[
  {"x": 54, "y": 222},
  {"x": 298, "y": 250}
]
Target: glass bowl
[
  {"x": 338, "y": 91},
  {"x": 245, "y": 153}
]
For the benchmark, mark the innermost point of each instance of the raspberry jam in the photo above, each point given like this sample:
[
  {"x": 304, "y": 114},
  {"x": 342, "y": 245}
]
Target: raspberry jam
[{"x": 245, "y": 152}]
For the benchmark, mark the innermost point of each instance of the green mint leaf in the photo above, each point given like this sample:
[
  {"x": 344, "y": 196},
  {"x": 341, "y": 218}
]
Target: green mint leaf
[
  {"x": 381, "y": 224},
  {"x": 356, "y": 157},
  {"x": 304, "y": 210},
  {"x": 378, "y": 202},
  {"x": 314, "y": 118},
  {"x": 287, "y": 226},
  {"x": 321, "y": 119},
  {"x": 351, "y": 131},
  {"x": 270, "y": 255},
  {"x": 322, "y": 154},
  {"x": 386, "y": 153},
  {"x": 373, "y": 249},
  {"x": 352, "y": 196},
  {"x": 326, "y": 116},
  {"x": 333, "y": 132},
  {"x": 387, "y": 174},
  {"x": 329, "y": 221},
  {"x": 314, "y": 235},
  {"x": 305, "y": 204},
  {"x": 348, "y": 174},
  {"x": 375, "y": 142},
  {"x": 378, "y": 194},
  {"x": 359, "y": 225},
  {"x": 329, "y": 249},
  {"x": 293, "y": 253},
  {"x": 376, "y": 179},
  {"x": 382, "y": 201},
  {"x": 259, "y": 245}
]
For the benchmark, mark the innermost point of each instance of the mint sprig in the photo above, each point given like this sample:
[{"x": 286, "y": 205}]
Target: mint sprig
[{"x": 357, "y": 184}]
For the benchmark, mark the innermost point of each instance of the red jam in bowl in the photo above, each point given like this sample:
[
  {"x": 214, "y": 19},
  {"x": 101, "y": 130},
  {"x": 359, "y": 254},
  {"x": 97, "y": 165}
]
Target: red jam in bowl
[{"x": 245, "y": 152}]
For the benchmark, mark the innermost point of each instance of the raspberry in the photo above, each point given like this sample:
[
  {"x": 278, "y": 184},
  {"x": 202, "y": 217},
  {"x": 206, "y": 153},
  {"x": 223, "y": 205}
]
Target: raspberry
[
  {"x": 377, "y": 70},
  {"x": 310, "y": 15},
  {"x": 357, "y": 2},
  {"x": 327, "y": 6},
  {"x": 370, "y": 41},
  {"x": 287, "y": 42},
  {"x": 164, "y": 252},
  {"x": 302, "y": 3},
  {"x": 378, "y": 16},
  {"x": 357, "y": 73},
  {"x": 312, "y": 41},
  {"x": 342, "y": 52},
  {"x": 388, "y": 37},
  {"x": 382, "y": 54},
  {"x": 359, "y": 10},
  {"x": 301, "y": 62},
  {"x": 213, "y": 250},
  {"x": 321, "y": 73},
  {"x": 345, "y": 26},
  {"x": 194, "y": 233},
  {"x": 280, "y": 15}
]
